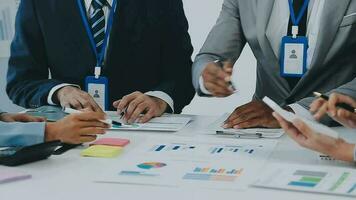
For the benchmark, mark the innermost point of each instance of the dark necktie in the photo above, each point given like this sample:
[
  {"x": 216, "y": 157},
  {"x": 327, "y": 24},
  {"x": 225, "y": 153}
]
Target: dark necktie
[
  {"x": 97, "y": 23},
  {"x": 297, "y": 5}
]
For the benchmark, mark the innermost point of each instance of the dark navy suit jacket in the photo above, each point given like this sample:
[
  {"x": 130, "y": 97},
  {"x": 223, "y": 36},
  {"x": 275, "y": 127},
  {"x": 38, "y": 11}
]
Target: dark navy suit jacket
[{"x": 149, "y": 50}]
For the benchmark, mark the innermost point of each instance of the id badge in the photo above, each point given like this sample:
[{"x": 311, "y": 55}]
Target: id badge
[
  {"x": 98, "y": 89},
  {"x": 293, "y": 56}
]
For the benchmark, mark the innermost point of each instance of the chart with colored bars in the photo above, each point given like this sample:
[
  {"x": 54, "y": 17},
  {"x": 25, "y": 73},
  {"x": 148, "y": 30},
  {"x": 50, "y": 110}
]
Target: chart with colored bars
[
  {"x": 173, "y": 147},
  {"x": 211, "y": 174},
  {"x": 307, "y": 178},
  {"x": 312, "y": 179},
  {"x": 146, "y": 167},
  {"x": 232, "y": 150}
]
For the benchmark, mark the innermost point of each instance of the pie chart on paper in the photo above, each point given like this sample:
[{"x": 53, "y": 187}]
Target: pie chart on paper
[{"x": 151, "y": 165}]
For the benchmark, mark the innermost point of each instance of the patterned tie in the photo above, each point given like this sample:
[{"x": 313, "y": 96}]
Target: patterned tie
[{"x": 97, "y": 22}]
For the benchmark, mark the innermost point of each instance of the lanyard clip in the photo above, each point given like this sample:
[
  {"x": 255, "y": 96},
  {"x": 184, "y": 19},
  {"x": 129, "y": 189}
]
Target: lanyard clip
[
  {"x": 295, "y": 31},
  {"x": 97, "y": 72}
]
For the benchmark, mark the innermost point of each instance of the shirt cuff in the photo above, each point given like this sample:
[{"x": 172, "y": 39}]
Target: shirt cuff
[
  {"x": 55, "y": 89},
  {"x": 301, "y": 111},
  {"x": 22, "y": 134},
  {"x": 164, "y": 96},
  {"x": 202, "y": 87}
]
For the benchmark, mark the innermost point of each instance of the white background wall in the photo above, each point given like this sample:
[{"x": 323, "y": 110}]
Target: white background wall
[{"x": 202, "y": 15}]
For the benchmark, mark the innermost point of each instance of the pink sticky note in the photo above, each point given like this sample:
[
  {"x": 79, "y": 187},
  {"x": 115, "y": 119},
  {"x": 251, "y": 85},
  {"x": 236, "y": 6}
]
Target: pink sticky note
[{"x": 112, "y": 142}]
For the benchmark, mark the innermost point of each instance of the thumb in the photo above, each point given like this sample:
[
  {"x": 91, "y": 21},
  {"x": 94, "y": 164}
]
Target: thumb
[
  {"x": 116, "y": 103},
  {"x": 228, "y": 66}
]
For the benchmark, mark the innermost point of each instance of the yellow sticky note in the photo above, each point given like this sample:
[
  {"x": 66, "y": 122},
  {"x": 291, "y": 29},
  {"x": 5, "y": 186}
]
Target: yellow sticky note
[{"x": 101, "y": 151}]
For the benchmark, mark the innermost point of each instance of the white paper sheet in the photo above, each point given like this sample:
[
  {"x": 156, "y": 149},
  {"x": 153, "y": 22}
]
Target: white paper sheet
[
  {"x": 317, "y": 127},
  {"x": 179, "y": 163},
  {"x": 265, "y": 132},
  {"x": 165, "y": 123},
  {"x": 317, "y": 179}
]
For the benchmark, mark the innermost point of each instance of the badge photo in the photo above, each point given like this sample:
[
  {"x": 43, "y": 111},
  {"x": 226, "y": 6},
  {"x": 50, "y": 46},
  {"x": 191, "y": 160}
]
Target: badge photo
[
  {"x": 293, "y": 60},
  {"x": 98, "y": 89}
]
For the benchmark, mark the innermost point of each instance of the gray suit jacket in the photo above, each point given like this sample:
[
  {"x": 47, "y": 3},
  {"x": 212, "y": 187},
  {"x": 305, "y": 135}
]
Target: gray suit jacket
[{"x": 333, "y": 68}]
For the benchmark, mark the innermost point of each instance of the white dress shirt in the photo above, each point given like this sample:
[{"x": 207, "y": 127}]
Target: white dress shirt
[
  {"x": 277, "y": 29},
  {"x": 158, "y": 94}
]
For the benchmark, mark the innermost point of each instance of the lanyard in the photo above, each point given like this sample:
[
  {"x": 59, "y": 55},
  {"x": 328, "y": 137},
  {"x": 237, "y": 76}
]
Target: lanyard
[
  {"x": 98, "y": 55},
  {"x": 297, "y": 20}
]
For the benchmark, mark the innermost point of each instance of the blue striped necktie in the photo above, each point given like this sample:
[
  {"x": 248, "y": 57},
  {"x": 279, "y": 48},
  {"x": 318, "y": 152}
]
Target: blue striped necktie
[{"x": 97, "y": 22}]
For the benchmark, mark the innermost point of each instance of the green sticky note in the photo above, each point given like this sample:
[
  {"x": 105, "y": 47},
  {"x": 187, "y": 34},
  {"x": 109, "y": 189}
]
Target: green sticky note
[{"x": 101, "y": 151}]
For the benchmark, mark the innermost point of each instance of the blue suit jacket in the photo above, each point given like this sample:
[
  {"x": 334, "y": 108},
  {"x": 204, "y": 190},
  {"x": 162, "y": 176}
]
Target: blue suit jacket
[{"x": 150, "y": 49}]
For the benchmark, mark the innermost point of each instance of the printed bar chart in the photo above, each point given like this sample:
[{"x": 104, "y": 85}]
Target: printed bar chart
[
  {"x": 211, "y": 174},
  {"x": 307, "y": 178},
  {"x": 231, "y": 150},
  {"x": 172, "y": 147}
]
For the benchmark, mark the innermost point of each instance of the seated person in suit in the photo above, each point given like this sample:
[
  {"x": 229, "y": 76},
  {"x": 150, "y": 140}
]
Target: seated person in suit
[
  {"x": 325, "y": 64},
  {"x": 304, "y": 136},
  {"x": 25, "y": 130},
  {"x": 147, "y": 60}
]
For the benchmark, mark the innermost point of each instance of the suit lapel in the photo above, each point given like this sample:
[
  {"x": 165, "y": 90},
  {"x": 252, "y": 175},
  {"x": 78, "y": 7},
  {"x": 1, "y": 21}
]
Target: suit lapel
[
  {"x": 264, "y": 9},
  {"x": 332, "y": 16}
]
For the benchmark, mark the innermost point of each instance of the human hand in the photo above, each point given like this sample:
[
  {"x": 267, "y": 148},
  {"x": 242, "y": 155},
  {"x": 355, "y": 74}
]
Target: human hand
[
  {"x": 217, "y": 79},
  {"x": 320, "y": 107},
  {"x": 253, "y": 114},
  {"x": 77, "y": 128},
  {"x": 73, "y": 97},
  {"x": 9, "y": 117},
  {"x": 138, "y": 103},
  {"x": 306, "y": 137}
]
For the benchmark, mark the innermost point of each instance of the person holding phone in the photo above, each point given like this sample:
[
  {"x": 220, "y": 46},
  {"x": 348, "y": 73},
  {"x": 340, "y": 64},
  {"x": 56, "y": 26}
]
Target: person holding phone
[{"x": 306, "y": 137}]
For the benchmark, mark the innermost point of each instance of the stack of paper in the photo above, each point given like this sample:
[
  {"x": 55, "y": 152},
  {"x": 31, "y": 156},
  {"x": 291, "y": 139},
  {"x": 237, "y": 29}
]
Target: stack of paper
[
  {"x": 244, "y": 133},
  {"x": 167, "y": 122}
]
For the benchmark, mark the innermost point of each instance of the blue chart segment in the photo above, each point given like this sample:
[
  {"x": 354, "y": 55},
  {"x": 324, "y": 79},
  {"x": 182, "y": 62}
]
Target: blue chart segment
[
  {"x": 211, "y": 174},
  {"x": 151, "y": 165},
  {"x": 352, "y": 189},
  {"x": 172, "y": 148}
]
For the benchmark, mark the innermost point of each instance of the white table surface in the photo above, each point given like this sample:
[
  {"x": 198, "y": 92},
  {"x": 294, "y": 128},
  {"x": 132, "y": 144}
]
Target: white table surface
[{"x": 70, "y": 176}]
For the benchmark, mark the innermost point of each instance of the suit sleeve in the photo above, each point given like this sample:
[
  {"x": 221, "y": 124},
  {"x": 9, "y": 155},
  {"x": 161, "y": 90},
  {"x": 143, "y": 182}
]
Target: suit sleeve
[
  {"x": 225, "y": 41},
  {"x": 348, "y": 89},
  {"x": 28, "y": 82},
  {"x": 176, "y": 52},
  {"x": 21, "y": 134}
]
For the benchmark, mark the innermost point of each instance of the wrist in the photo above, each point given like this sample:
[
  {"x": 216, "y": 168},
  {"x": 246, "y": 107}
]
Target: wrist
[
  {"x": 51, "y": 132},
  {"x": 60, "y": 93},
  {"x": 344, "y": 151},
  {"x": 162, "y": 105}
]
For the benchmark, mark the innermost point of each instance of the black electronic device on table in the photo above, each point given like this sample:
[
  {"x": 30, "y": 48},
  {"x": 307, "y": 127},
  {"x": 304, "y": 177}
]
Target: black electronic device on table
[{"x": 15, "y": 156}]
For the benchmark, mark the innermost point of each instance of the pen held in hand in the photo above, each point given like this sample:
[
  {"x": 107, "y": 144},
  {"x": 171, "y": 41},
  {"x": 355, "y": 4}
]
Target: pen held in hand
[
  {"x": 107, "y": 121},
  {"x": 340, "y": 105}
]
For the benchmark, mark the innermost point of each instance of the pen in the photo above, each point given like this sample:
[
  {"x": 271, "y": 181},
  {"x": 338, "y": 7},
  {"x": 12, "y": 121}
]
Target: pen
[
  {"x": 340, "y": 105},
  {"x": 219, "y": 62},
  {"x": 107, "y": 121},
  {"x": 122, "y": 114}
]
